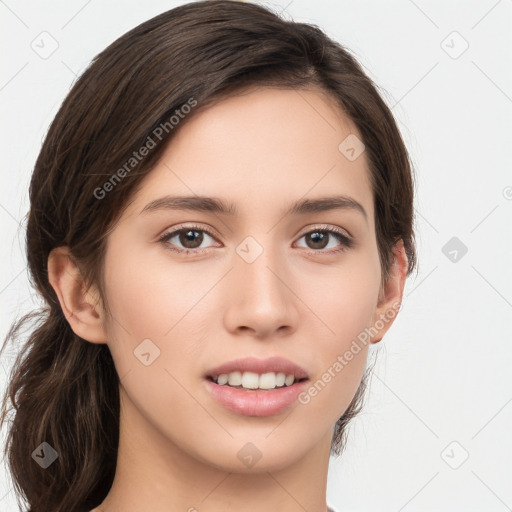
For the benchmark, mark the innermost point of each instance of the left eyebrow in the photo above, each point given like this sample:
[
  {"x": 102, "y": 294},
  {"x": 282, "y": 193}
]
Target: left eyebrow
[
  {"x": 323, "y": 204},
  {"x": 216, "y": 205}
]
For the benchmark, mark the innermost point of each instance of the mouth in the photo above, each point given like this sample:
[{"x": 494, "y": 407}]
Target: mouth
[
  {"x": 255, "y": 387},
  {"x": 254, "y": 381}
]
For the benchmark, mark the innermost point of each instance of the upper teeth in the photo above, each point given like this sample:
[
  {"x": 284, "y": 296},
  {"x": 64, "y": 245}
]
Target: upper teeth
[{"x": 251, "y": 380}]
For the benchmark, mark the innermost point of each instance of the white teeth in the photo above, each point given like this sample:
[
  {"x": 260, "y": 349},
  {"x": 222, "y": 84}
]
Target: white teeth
[
  {"x": 235, "y": 379},
  {"x": 222, "y": 379},
  {"x": 252, "y": 380},
  {"x": 267, "y": 381}
]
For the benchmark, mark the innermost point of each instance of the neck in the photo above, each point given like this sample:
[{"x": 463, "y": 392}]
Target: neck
[{"x": 153, "y": 473}]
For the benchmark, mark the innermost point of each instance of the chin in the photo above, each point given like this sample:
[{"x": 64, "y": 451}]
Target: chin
[{"x": 257, "y": 452}]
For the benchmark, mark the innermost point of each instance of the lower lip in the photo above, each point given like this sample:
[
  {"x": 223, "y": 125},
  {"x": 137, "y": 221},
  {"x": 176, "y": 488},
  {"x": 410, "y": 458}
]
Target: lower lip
[{"x": 256, "y": 402}]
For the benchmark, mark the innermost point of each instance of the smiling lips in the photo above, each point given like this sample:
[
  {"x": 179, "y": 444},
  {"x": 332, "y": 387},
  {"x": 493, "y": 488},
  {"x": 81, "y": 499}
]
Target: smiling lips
[
  {"x": 252, "y": 373},
  {"x": 251, "y": 380},
  {"x": 256, "y": 387}
]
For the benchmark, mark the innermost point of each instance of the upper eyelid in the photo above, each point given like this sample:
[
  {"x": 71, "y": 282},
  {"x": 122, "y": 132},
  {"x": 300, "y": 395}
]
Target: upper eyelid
[
  {"x": 211, "y": 232},
  {"x": 174, "y": 230},
  {"x": 327, "y": 227}
]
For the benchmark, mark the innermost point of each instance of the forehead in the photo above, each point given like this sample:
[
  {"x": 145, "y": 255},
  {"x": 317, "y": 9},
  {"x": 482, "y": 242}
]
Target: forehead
[{"x": 260, "y": 147}]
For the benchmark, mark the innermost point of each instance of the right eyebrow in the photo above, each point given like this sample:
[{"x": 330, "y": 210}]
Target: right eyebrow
[{"x": 195, "y": 203}]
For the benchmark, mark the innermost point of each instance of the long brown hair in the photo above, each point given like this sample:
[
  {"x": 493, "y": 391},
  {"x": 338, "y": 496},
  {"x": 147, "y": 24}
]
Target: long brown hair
[{"x": 63, "y": 389}]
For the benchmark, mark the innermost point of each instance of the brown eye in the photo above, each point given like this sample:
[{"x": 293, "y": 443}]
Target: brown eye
[
  {"x": 190, "y": 238},
  {"x": 327, "y": 241},
  {"x": 318, "y": 239},
  {"x": 186, "y": 239}
]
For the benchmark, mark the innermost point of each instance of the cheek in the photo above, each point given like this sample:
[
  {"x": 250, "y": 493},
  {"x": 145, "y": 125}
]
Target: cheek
[
  {"x": 345, "y": 303},
  {"x": 147, "y": 293},
  {"x": 133, "y": 296},
  {"x": 345, "y": 297},
  {"x": 341, "y": 356},
  {"x": 152, "y": 298}
]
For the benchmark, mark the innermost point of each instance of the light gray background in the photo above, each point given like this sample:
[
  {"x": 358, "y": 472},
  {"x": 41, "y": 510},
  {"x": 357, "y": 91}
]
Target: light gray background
[{"x": 440, "y": 391}]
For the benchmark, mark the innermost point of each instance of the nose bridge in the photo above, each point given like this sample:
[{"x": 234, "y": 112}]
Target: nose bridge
[
  {"x": 260, "y": 298},
  {"x": 257, "y": 264}
]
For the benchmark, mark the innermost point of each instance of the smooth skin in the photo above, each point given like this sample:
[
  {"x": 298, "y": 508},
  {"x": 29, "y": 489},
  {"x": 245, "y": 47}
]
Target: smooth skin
[{"x": 262, "y": 150}]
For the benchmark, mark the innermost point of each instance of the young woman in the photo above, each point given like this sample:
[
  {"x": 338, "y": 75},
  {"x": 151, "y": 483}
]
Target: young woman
[{"x": 221, "y": 223}]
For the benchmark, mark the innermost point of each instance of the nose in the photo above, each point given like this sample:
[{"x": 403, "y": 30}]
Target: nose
[{"x": 261, "y": 301}]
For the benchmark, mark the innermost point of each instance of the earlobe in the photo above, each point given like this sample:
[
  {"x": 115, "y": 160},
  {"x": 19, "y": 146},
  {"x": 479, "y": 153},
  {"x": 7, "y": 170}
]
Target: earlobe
[
  {"x": 81, "y": 308},
  {"x": 390, "y": 298}
]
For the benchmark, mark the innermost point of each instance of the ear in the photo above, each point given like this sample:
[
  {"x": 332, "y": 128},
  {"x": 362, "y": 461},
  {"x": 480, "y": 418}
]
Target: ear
[
  {"x": 390, "y": 296},
  {"x": 81, "y": 306}
]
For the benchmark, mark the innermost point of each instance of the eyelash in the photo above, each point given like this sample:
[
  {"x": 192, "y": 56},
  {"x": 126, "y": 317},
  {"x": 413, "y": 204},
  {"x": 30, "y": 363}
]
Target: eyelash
[{"x": 346, "y": 242}]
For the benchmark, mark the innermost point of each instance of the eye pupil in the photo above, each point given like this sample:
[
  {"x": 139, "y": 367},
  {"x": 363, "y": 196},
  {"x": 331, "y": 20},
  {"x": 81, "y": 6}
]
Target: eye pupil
[
  {"x": 318, "y": 237},
  {"x": 187, "y": 237}
]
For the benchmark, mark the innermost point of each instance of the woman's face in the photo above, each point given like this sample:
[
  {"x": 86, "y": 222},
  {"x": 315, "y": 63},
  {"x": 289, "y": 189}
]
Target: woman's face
[{"x": 256, "y": 282}]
